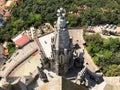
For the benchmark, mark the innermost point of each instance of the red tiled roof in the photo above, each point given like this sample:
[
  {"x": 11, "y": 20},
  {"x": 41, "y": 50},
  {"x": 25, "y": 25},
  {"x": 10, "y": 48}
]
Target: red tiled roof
[
  {"x": 7, "y": 14},
  {"x": 21, "y": 41}
]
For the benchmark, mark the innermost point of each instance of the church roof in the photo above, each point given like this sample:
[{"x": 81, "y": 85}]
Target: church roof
[{"x": 60, "y": 83}]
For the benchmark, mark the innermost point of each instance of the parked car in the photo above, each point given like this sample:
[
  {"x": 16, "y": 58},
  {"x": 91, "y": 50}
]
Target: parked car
[
  {"x": 114, "y": 27},
  {"x": 106, "y": 26},
  {"x": 9, "y": 60},
  {"x": 3, "y": 68},
  {"x": 110, "y": 26},
  {"x": 90, "y": 27}
]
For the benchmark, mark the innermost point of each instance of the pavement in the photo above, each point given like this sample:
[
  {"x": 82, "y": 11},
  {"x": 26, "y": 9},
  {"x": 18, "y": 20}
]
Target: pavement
[
  {"x": 27, "y": 67},
  {"x": 110, "y": 83},
  {"x": 111, "y": 36},
  {"x": 98, "y": 29},
  {"x": 104, "y": 36},
  {"x": 18, "y": 57}
]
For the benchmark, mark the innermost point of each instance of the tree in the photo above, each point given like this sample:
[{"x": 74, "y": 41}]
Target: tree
[
  {"x": 11, "y": 48},
  {"x": 105, "y": 53},
  {"x": 73, "y": 20}
]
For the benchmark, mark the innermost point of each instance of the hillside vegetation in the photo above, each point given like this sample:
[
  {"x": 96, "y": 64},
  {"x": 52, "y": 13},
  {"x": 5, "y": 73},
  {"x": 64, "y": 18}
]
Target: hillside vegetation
[
  {"x": 105, "y": 53},
  {"x": 79, "y": 13}
]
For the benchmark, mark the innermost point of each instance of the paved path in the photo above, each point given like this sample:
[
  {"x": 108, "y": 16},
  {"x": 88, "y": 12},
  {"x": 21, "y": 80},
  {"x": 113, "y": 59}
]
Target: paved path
[
  {"x": 110, "y": 83},
  {"x": 105, "y": 36},
  {"x": 27, "y": 67},
  {"x": 19, "y": 56},
  {"x": 111, "y": 36},
  {"x": 77, "y": 35}
]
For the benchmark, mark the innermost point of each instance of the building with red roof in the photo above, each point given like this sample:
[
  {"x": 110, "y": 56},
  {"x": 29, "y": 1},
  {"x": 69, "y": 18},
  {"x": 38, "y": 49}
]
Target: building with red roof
[
  {"x": 7, "y": 14},
  {"x": 21, "y": 40}
]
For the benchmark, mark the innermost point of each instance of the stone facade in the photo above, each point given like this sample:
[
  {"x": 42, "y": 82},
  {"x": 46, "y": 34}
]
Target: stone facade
[{"x": 62, "y": 48}]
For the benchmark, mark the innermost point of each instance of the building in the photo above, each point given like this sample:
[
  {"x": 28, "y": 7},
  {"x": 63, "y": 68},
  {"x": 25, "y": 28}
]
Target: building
[
  {"x": 7, "y": 14},
  {"x": 57, "y": 49},
  {"x": 62, "y": 48},
  {"x": 21, "y": 40},
  {"x": 45, "y": 42},
  {"x": 60, "y": 83},
  {"x": 9, "y": 4},
  {"x": 2, "y": 3}
]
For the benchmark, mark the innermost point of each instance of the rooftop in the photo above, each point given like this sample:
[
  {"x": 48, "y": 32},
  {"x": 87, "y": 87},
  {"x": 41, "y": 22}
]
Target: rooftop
[
  {"x": 60, "y": 83},
  {"x": 21, "y": 40},
  {"x": 2, "y": 3},
  {"x": 7, "y": 14},
  {"x": 9, "y": 4},
  {"x": 45, "y": 42}
]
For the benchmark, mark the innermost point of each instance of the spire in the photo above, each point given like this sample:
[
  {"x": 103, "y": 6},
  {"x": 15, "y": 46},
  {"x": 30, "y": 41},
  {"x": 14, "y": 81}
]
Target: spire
[
  {"x": 62, "y": 51},
  {"x": 62, "y": 35},
  {"x": 61, "y": 22}
]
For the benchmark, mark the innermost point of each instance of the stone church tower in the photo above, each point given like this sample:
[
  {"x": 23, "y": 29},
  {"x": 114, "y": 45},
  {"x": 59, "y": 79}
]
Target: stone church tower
[{"x": 62, "y": 48}]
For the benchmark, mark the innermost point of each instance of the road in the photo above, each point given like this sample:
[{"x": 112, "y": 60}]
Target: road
[
  {"x": 104, "y": 36},
  {"x": 77, "y": 35},
  {"x": 19, "y": 56},
  {"x": 111, "y": 36}
]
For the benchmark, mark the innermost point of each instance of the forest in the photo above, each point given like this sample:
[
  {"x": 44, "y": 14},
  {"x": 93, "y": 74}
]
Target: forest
[
  {"x": 105, "y": 53},
  {"x": 79, "y": 13}
]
